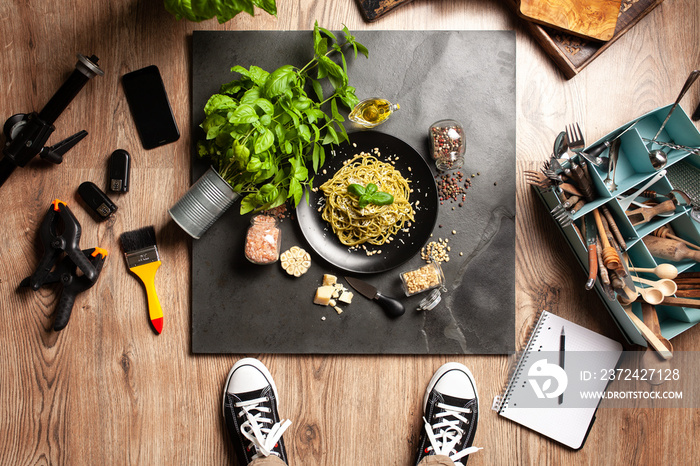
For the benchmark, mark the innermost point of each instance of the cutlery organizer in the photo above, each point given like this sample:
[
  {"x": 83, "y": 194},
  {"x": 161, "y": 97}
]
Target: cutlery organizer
[{"x": 633, "y": 172}]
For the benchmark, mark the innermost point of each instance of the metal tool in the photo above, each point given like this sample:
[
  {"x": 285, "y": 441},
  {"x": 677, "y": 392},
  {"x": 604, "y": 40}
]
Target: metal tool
[
  {"x": 72, "y": 283},
  {"x": 590, "y": 231},
  {"x": 657, "y": 156},
  {"x": 626, "y": 201},
  {"x": 392, "y": 306},
  {"x": 597, "y": 149},
  {"x": 686, "y": 177},
  {"x": 690, "y": 150},
  {"x": 688, "y": 82},
  {"x": 612, "y": 166},
  {"x": 26, "y": 133},
  {"x": 537, "y": 179}
]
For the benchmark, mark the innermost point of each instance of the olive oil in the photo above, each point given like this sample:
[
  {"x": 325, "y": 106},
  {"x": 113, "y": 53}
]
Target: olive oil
[{"x": 372, "y": 112}]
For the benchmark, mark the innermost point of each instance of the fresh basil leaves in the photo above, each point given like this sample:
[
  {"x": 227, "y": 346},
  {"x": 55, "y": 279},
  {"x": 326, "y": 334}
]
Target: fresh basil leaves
[
  {"x": 224, "y": 10},
  {"x": 264, "y": 134},
  {"x": 370, "y": 195}
]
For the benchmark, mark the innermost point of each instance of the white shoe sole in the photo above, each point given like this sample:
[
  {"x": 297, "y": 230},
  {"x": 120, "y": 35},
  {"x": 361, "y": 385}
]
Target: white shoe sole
[
  {"x": 248, "y": 362},
  {"x": 440, "y": 372}
]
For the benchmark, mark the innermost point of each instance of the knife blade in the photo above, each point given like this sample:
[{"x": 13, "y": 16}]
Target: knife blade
[
  {"x": 591, "y": 231},
  {"x": 392, "y": 306}
]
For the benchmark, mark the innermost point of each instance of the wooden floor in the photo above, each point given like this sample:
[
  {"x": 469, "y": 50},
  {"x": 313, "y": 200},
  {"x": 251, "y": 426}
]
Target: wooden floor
[{"x": 108, "y": 391}]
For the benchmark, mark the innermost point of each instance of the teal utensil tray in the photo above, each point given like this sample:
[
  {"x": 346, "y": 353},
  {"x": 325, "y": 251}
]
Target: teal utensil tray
[{"x": 634, "y": 171}]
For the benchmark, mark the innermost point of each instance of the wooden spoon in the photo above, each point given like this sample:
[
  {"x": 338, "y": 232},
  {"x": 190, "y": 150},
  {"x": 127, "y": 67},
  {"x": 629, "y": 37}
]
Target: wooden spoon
[
  {"x": 662, "y": 271},
  {"x": 665, "y": 286},
  {"x": 652, "y": 359},
  {"x": 651, "y": 295}
]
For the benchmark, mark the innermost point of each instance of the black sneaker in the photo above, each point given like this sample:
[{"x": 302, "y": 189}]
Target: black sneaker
[
  {"x": 451, "y": 412},
  {"x": 250, "y": 411}
]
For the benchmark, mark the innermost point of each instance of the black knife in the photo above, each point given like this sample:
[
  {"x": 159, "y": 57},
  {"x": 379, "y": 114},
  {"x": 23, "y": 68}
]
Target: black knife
[{"x": 392, "y": 306}]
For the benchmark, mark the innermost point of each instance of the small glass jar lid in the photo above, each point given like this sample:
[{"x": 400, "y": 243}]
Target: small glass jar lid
[{"x": 429, "y": 302}]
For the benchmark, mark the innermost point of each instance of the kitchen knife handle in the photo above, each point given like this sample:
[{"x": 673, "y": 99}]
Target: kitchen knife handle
[
  {"x": 392, "y": 306},
  {"x": 592, "y": 266}
]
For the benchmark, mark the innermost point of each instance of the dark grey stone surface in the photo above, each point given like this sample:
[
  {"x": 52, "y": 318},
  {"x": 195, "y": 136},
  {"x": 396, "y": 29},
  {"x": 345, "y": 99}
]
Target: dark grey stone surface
[{"x": 238, "y": 307}]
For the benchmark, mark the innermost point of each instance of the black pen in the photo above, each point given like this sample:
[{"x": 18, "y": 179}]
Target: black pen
[{"x": 562, "y": 350}]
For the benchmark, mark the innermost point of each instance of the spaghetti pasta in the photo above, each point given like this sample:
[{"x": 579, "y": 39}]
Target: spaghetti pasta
[{"x": 373, "y": 224}]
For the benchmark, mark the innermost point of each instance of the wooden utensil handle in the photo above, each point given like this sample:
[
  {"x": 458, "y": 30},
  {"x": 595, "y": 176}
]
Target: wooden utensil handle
[
  {"x": 610, "y": 257},
  {"x": 592, "y": 266},
  {"x": 687, "y": 243},
  {"x": 682, "y": 302},
  {"x": 649, "y": 335},
  {"x": 695, "y": 293},
  {"x": 613, "y": 227}
]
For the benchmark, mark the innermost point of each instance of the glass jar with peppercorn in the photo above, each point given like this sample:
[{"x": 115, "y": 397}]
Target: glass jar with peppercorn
[{"x": 447, "y": 144}]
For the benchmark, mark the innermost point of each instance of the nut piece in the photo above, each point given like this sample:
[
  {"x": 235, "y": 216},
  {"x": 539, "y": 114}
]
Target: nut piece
[{"x": 295, "y": 261}]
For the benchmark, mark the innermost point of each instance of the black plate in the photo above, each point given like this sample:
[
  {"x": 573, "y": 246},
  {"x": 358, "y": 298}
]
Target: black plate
[{"x": 406, "y": 244}]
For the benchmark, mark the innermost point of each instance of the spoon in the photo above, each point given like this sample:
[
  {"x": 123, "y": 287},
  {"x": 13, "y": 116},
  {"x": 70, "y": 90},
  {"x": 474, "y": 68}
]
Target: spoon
[
  {"x": 651, "y": 358},
  {"x": 665, "y": 286},
  {"x": 650, "y": 295},
  {"x": 612, "y": 166},
  {"x": 662, "y": 271},
  {"x": 658, "y": 157}
]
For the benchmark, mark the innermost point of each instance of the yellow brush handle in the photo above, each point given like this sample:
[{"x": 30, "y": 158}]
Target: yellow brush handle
[{"x": 147, "y": 274}]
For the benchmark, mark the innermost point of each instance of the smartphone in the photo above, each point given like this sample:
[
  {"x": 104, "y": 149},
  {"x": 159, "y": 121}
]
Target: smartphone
[{"x": 150, "y": 107}]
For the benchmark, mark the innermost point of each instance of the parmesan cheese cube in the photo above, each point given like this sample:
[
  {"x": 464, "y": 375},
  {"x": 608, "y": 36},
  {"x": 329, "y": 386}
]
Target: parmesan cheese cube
[
  {"x": 323, "y": 295},
  {"x": 346, "y": 297},
  {"x": 329, "y": 280},
  {"x": 338, "y": 310}
]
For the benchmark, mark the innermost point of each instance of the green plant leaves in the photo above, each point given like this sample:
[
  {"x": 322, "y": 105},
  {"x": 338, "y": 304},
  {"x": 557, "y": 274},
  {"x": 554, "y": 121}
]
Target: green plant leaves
[
  {"x": 244, "y": 113},
  {"x": 279, "y": 81},
  {"x": 264, "y": 133},
  {"x": 224, "y": 10},
  {"x": 370, "y": 195}
]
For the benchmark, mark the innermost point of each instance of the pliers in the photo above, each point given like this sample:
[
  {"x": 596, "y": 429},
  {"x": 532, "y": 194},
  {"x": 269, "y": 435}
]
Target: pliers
[{"x": 72, "y": 283}]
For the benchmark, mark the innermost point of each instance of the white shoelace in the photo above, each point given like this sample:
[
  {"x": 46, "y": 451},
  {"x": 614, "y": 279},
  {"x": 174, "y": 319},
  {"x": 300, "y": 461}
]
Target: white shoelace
[
  {"x": 255, "y": 428},
  {"x": 448, "y": 432}
]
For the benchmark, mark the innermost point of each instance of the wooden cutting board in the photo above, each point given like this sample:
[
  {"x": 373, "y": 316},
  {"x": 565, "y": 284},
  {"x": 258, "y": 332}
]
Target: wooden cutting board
[
  {"x": 595, "y": 19},
  {"x": 372, "y": 10}
]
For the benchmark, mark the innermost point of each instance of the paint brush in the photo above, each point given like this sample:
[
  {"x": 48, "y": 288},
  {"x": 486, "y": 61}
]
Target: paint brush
[{"x": 142, "y": 258}]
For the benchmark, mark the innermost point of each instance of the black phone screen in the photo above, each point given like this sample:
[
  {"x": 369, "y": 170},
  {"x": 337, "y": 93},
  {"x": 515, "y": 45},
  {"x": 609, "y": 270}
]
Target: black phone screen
[{"x": 150, "y": 107}]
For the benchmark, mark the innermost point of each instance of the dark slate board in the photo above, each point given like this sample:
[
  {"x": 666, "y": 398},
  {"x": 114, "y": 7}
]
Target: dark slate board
[{"x": 469, "y": 76}]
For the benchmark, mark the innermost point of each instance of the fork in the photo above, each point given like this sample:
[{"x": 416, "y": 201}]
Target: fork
[
  {"x": 562, "y": 216},
  {"x": 538, "y": 179},
  {"x": 574, "y": 136}
]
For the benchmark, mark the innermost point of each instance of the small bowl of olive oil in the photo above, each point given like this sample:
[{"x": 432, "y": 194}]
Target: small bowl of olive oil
[{"x": 372, "y": 112}]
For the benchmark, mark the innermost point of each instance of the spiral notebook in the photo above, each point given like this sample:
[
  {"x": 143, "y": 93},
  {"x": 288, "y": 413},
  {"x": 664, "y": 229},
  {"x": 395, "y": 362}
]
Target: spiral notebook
[{"x": 556, "y": 393}]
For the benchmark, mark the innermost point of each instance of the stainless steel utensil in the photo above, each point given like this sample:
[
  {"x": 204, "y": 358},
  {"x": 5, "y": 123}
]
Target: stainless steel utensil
[
  {"x": 686, "y": 177},
  {"x": 626, "y": 201},
  {"x": 690, "y": 150},
  {"x": 657, "y": 156},
  {"x": 612, "y": 166},
  {"x": 574, "y": 138}
]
